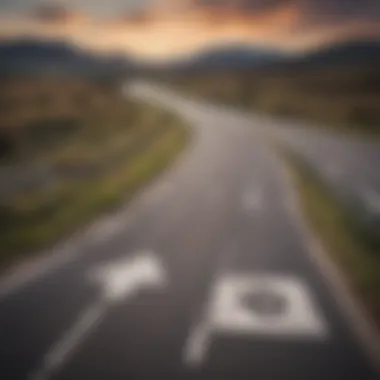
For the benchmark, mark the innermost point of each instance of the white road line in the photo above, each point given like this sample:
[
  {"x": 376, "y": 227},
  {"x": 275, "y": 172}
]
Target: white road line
[
  {"x": 333, "y": 172},
  {"x": 372, "y": 199},
  {"x": 197, "y": 345},
  {"x": 73, "y": 248},
  {"x": 119, "y": 280},
  {"x": 30, "y": 271},
  {"x": 58, "y": 354}
]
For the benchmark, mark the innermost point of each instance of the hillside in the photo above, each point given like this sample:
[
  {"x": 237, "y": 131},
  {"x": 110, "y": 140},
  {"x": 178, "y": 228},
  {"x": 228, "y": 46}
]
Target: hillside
[
  {"x": 338, "y": 86},
  {"x": 231, "y": 57},
  {"x": 32, "y": 57}
]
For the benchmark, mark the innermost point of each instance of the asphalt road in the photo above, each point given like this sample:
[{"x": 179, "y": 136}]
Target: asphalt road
[
  {"x": 206, "y": 275},
  {"x": 346, "y": 162}
]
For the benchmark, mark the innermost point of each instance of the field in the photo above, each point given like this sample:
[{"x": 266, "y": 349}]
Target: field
[
  {"x": 70, "y": 151},
  {"x": 47, "y": 120},
  {"x": 353, "y": 244}
]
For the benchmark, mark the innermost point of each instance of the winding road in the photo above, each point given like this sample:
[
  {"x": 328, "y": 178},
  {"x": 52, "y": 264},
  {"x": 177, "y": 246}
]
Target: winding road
[{"x": 208, "y": 274}]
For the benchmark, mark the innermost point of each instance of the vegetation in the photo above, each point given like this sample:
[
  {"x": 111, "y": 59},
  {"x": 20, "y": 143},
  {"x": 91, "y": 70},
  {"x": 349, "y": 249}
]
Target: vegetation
[
  {"x": 41, "y": 119},
  {"x": 101, "y": 148},
  {"x": 340, "y": 97},
  {"x": 353, "y": 241}
]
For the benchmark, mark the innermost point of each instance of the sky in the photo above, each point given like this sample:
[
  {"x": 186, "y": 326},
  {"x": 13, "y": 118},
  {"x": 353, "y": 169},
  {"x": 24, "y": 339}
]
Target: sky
[{"x": 165, "y": 29}]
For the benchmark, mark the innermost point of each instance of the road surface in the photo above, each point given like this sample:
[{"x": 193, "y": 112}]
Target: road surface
[
  {"x": 346, "y": 162},
  {"x": 206, "y": 275}
]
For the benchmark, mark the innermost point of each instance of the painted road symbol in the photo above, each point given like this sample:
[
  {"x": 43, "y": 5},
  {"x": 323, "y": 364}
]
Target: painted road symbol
[
  {"x": 258, "y": 304},
  {"x": 118, "y": 280},
  {"x": 268, "y": 305}
]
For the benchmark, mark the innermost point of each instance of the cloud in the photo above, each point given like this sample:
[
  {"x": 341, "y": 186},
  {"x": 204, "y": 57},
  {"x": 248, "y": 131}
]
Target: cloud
[
  {"x": 174, "y": 27},
  {"x": 135, "y": 18},
  {"x": 313, "y": 10}
]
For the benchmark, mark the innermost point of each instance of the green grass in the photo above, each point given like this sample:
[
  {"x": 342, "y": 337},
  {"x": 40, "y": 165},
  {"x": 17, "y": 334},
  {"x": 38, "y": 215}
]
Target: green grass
[
  {"x": 344, "y": 99},
  {"x": 101, "y": 146},
  {"x": 41, "y": 119},
  {"x": 352, "y": 242},
  {"x": 35, "y": 221}
]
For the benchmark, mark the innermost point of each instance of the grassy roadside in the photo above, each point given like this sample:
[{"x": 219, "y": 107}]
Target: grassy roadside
[
  {"x": 34, "y": 221},
  {"x": 341, "y": 99},
  {"x": 353, "y": 245}
]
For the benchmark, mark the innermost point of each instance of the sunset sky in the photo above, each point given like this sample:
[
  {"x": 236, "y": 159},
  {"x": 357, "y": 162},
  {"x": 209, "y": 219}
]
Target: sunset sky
[{"x": 165, "y": 29}]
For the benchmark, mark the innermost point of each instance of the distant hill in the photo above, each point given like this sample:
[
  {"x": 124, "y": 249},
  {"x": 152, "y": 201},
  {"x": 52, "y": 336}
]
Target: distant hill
[
  {"x": 352, "y": 52},
  {"x": 52, "y": 58},
  {"x": 227, "y": 57},
  {"x": 348, "y": 53},
  {"x": 34, "y": 57},
  {"x": 244, "y": 57},
  {"x": 235, "y": 56}
]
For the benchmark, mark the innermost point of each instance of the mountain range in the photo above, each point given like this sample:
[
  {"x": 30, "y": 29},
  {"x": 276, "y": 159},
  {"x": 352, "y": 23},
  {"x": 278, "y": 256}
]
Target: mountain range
[
  {"x": 34, "y": 57},
  {"x": 59, "y": 58},
  {"x": 230, "y": 57},
  {"x": 353, "y": 52}
]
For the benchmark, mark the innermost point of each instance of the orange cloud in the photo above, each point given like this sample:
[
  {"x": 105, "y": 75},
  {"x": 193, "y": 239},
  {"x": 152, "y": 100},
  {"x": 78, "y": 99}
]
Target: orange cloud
[{"x": 159, "y": 34}]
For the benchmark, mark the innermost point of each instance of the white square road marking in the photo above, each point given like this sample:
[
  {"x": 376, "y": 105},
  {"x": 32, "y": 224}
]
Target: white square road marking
[
  {"x": 271, "y": 306},
  {"x": 265, "y": 305}
]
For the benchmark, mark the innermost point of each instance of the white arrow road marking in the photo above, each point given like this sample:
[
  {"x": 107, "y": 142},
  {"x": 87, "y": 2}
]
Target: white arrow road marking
[
  {"x": 119, "y": 280},
  {"x": 262, "y": 305},
  {"x": 127, "y": 276}
]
